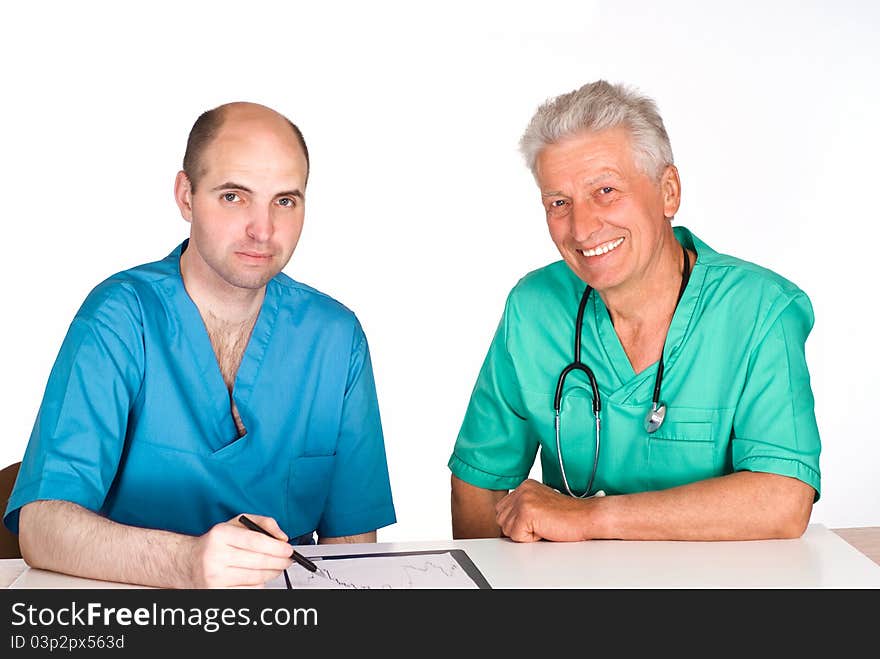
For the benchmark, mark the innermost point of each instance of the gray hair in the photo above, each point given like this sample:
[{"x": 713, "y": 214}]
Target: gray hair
[{"x": 599, "y": 106}]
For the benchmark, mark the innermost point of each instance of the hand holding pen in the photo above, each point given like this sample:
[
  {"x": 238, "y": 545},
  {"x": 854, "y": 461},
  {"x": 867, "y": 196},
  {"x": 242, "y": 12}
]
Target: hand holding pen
[
  {"x": 230, "y": 555},
  {"x": 295, "y": 555}
]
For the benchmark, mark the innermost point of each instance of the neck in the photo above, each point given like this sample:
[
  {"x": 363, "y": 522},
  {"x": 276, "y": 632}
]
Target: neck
[
  {"x": 215, "y": 298},
  {"x": 652, "y": 297}
]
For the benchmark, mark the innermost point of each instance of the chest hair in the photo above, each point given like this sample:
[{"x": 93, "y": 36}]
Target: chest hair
[{"x": 229, "y": 341}]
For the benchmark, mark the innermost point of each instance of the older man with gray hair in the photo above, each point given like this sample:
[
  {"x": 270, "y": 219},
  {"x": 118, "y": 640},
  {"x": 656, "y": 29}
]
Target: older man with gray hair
[{"x": 664, "y": 383}]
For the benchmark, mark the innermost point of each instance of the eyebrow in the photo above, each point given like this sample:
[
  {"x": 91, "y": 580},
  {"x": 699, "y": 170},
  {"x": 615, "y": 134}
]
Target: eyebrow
[
  {"x": 593, "y": 181},
  {"x": 291, "y": 193},
  {"x": 232, "y": 185},
  {"x": 603, "y": 176}
]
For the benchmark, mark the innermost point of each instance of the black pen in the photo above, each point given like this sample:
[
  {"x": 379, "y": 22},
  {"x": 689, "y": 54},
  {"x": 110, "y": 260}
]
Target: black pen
[{"x": 296, "y": 556}]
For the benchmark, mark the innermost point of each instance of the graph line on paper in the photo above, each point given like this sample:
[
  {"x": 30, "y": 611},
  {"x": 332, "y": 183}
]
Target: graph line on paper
[{"x": 439, "y": 570}]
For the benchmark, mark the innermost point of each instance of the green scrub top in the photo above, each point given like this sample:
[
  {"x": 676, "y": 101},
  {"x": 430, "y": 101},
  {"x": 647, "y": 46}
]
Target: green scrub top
[{"x": 735, "y": 383}]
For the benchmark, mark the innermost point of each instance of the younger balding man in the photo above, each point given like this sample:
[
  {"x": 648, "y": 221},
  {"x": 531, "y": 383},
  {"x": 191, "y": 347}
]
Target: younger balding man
[{"x": 206, "y": 385}]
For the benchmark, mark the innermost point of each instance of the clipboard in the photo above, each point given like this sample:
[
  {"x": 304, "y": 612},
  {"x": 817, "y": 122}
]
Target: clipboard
[{"x": 459, "y": 556}]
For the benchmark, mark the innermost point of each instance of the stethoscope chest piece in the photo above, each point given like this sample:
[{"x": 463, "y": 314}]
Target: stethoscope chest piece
[{"x": 655, "y": 417}]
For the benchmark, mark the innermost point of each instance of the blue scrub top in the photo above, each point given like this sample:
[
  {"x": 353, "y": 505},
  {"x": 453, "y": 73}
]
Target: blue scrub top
[{"x": 136, "y": 423}]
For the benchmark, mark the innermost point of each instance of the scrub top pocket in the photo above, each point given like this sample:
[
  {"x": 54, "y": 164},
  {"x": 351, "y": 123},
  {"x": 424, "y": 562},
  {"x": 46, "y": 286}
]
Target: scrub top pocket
[{"x": 682, "y": 450}]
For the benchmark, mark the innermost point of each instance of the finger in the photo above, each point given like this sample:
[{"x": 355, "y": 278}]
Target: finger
[
  {"x": 504, "y": 503},
  {"x": 514, "y": 523},
  {"x": 503, "y": 518},
  {"x": 510, "y": 528},
  {"x": 234, "y": 577},
  {"x": 522, "y": 535},
  {"x": 261, "y": 585},
  {"x": 234, "y": 534},
  {"x": 249, "y": 560},
  {"x": 267, "y": 524},
  {"x": 514, "y": 528}
]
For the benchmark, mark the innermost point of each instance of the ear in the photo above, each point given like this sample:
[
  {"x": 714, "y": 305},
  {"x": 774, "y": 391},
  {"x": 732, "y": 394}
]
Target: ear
[
  {"x": 670, "y": 186},
  {"x": 183, "y": 195}
]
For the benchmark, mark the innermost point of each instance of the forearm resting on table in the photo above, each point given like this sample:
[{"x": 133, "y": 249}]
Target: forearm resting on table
[
  {"x": 741, "y": 506},
  {"x": 473, "y": 510},
  {"x": 64, "y": 537}
]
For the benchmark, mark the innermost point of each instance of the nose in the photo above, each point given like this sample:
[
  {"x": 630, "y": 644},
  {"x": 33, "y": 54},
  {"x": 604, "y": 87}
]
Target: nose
[
  {"x": 260, "y": 226},
  {"x": 585, "y": 220}
]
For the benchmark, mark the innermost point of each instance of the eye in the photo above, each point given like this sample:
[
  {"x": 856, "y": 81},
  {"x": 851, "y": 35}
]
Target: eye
[
  {"x": 231, "y": 197},
  {"x": 606, "y": 190},
  {"x": 287, "y": 202}
]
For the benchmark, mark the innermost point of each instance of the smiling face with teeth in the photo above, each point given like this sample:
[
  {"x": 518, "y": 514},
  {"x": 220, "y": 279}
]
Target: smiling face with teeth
[{"x": 608, "y": 218}]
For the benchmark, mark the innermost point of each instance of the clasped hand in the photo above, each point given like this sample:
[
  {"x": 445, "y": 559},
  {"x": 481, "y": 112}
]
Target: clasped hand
[{"x": 534, "y": 512}]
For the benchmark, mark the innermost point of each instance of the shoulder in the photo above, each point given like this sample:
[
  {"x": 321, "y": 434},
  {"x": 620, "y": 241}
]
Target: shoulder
[
  {"x": 122, "y": 293},
  {"x": 747, "y": 290},
  {"x": 539, "y": 303},
  {"x": 303, "y": 300},
  {"x": 117, "y": 303},
  {"x": 547, "y": 286},
  {"x": 748, "y": 276}
]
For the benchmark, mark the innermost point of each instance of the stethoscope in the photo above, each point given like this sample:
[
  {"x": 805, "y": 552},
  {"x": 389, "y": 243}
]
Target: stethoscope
[{"x": 657, "y": 413}]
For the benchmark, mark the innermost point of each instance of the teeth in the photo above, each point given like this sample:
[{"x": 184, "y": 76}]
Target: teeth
[{"x": 602, "y": 249}]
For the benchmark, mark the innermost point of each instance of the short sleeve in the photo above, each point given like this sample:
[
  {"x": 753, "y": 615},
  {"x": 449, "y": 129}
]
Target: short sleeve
[
  {"x": 359, "y": 499},
  {"x": 495, "y": 448},
  {"x": 78, "y": 436},
  {"x": 774, "y": 426}
]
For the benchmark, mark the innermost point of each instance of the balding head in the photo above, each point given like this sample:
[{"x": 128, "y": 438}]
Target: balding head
[{"x": 232, "y": 116}]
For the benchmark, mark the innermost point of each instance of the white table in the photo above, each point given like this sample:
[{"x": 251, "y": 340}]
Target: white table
[{"x": 818, "y": 559}]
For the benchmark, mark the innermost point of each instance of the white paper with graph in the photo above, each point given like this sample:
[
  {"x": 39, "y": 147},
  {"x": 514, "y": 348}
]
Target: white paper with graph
[{"x": 423, "y": 569}]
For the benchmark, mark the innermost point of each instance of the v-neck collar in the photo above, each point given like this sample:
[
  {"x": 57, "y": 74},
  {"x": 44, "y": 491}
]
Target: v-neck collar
[
  {"x": 216, "y": 398},
  {"x": 629, "y": 381}
]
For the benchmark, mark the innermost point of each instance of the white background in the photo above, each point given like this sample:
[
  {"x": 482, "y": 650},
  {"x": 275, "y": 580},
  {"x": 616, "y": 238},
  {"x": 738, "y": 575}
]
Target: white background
[{"x": 421, "y": 214}]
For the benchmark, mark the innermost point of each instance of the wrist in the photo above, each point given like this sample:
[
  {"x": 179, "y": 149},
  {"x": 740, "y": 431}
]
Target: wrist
[
  {"x": 600, "y": 520},
  {"x": 184, "y": 562}
]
